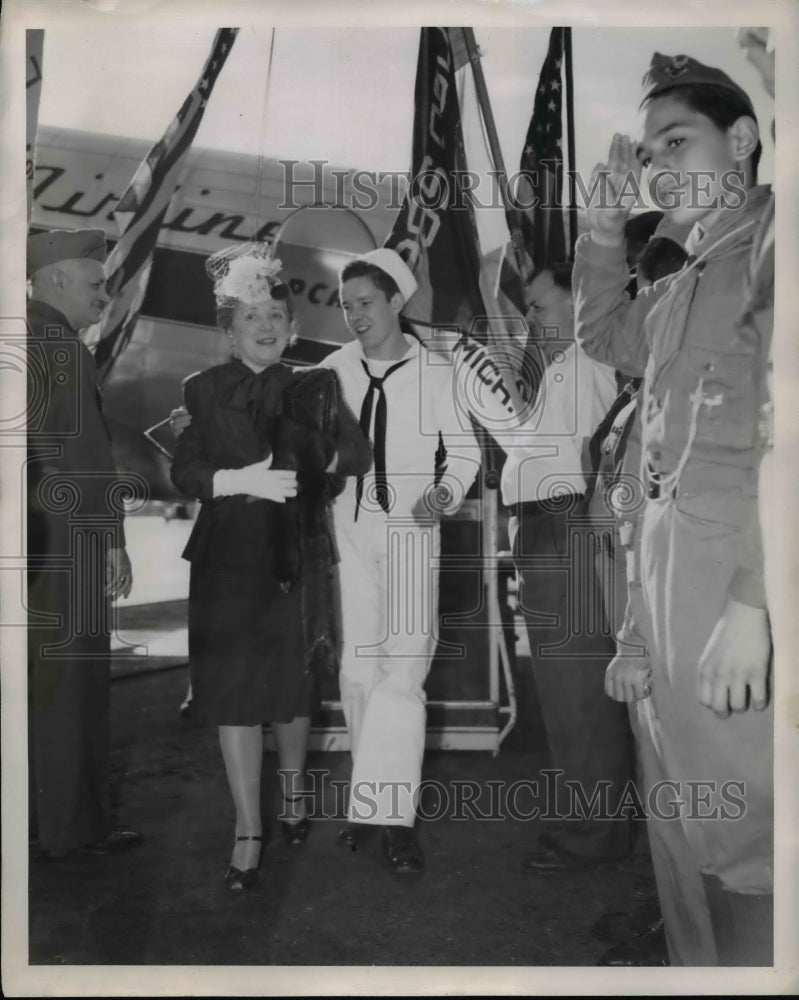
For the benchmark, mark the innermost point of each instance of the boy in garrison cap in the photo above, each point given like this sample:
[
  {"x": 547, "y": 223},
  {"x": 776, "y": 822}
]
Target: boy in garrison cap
[
  {"x": 703, "y": 693},
  {"x": 77, "y": 561},
  {"x": 388, "y": 542}
]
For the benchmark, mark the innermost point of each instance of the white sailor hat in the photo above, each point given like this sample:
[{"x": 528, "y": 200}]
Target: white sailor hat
[{"x": 395, "y": 267}]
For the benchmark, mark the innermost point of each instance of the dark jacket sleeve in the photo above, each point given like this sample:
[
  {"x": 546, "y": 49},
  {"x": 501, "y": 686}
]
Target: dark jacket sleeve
[
  {"x": 192, "y": 472},
  {"x": 67, "y": 434},
  {"x": 352, "y": 446},
  {"x": 317, "y": 424}
]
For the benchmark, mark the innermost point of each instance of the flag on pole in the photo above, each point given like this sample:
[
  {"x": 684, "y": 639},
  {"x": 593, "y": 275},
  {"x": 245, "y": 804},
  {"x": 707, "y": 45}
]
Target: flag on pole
[
  {"x": 541, "y": 166},
  {"x": 539, "y": 193},
  {"x": 436, "y": 234},
  {"x": 509, "y": 284},
  {"x": 437, "y": 243},
  {"x": 34, "y": 50},
  {"x": 142, "y": 208}
]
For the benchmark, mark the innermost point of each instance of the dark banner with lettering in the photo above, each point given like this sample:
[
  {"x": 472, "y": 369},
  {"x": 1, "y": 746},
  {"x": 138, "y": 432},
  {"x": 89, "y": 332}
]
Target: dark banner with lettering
[{"x": 435, "y": 229}]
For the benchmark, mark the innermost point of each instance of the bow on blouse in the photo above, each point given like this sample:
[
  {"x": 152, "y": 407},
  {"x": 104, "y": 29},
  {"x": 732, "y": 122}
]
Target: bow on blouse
[{"x": 260, "y": 396}]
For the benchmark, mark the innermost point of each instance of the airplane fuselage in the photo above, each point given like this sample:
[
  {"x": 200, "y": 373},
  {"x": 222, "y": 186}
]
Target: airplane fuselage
[{"x": 223, "y": 199}]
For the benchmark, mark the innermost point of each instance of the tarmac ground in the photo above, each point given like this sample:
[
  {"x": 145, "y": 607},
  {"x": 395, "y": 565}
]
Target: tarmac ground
[{"x": 165, "y": 903}]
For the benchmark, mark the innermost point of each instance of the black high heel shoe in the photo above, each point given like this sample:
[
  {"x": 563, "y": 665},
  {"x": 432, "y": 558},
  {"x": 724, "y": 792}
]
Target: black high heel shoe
[
  {"x": 237, "y": 880},
  {"x": 295, "y": 834}
]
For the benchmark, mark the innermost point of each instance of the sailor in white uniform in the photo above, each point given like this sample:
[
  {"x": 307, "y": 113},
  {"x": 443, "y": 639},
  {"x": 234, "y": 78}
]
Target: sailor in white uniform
[{"x": 387, "y": 533}]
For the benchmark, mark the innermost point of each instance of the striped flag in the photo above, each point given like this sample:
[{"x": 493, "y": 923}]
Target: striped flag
[
  {"x": 436, "y": 234},
  {"x": 539, "y": 195},
  {"x": 142, "y": 208},
  {"x": 541, "y": 163}
]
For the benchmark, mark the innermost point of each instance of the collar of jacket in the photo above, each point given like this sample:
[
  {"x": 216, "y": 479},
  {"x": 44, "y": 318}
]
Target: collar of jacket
[
  {"x": 413, "y": 350},
  {"x": 734, "y": 226},
  {"x": 45, "y": 316}
]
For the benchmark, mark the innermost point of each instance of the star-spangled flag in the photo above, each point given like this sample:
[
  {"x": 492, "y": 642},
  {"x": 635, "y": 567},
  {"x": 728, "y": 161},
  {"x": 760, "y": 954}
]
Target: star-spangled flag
[
  {"x": 141, "y": 210},
  {"x": 541, "y": 164}
]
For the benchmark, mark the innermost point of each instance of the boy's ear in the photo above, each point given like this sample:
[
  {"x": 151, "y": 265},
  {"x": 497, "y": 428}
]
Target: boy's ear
[
  {"x": 744, "y": 136},
  {"x": 397, "y": 302}
]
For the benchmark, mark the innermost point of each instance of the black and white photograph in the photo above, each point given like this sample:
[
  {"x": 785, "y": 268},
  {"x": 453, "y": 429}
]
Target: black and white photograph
[{"x": 398, "y": 437}]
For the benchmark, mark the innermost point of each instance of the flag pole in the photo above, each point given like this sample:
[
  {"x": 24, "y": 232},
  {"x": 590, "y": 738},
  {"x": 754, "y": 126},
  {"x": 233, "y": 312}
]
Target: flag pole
[
  {"x": 511, "y": 212},
  {"x": 497, "y": 649},
  {"x": 497, "y": 322},
  {"x": 567, "y": 52}
]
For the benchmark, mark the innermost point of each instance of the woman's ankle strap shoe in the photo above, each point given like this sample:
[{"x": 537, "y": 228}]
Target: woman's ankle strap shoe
[
  {"x": 237, "y": 880},
  {"x": 295, "y": 834}
]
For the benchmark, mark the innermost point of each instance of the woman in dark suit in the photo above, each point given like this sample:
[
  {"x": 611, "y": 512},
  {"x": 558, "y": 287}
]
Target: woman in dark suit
[{"x": 259, "y": 453}]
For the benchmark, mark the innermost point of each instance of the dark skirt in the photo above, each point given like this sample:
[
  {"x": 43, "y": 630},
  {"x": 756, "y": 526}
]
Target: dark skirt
[{"x": 246, "y": 649}]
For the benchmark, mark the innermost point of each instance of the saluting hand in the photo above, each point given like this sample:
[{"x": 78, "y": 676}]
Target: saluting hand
[
  {"x": 613, "y": 191},
  {"x": 736, "y": 660}
]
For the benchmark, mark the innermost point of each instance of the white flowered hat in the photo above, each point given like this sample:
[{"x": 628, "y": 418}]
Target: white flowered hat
[{"x": 246, "y": 273}]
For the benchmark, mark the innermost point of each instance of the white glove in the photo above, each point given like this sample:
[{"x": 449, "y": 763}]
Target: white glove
[{"x": 257, "y": 480}]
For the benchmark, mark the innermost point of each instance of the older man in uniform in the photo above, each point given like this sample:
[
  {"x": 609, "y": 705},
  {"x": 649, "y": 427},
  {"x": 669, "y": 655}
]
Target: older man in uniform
[{"x": 77, "y": 561}]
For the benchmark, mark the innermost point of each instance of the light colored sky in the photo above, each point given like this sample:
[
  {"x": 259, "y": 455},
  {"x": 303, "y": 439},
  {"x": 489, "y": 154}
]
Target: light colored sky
[{"x": 346, "y": 94}]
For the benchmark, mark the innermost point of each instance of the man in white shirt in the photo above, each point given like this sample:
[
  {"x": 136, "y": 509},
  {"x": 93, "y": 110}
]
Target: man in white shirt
[
  {"x": 571, "y": 643},
  {"x": 388, "y": 540}
]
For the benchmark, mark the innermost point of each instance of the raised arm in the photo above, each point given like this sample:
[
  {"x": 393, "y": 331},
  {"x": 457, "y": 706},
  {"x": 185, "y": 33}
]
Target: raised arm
[{"x": 609, "y": 325}]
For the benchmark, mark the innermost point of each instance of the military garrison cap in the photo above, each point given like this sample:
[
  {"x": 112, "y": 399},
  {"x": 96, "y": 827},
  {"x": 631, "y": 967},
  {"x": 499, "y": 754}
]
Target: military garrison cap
[
  {"x": 666, "y": 72},
  {"x": 64, "y": 244}
]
